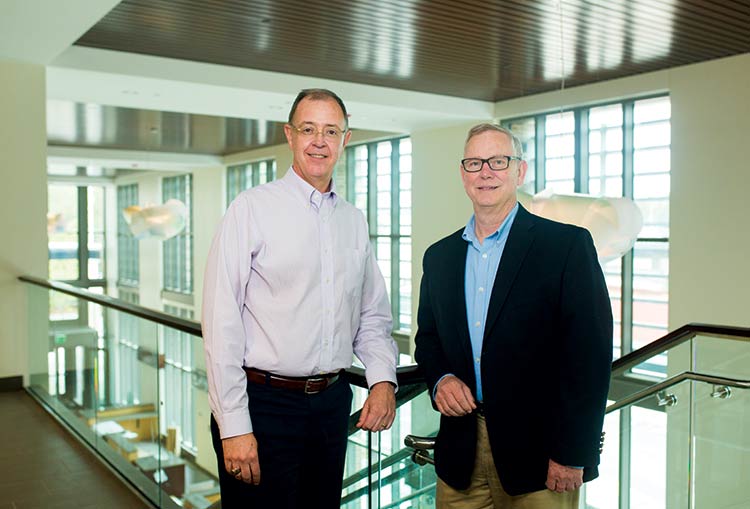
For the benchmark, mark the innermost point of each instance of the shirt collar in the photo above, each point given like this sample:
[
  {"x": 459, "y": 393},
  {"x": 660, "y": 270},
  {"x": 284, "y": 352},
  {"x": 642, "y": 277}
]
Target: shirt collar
[
  {"x": 470, "y": 235},
  {"x": 307, "y": 193}
]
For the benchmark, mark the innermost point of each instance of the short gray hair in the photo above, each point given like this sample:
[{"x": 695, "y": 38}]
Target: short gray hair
[{"x": 483, "y": 128}]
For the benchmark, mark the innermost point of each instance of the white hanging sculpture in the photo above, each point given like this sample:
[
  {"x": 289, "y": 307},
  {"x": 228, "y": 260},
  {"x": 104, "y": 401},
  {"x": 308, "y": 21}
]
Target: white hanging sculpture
[
  {"x": 156, "y": 221},
  {"x": 614, "y": 223}
]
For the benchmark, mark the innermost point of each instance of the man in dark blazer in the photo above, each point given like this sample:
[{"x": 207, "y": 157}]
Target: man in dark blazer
[{"x": 515, "y": 341}]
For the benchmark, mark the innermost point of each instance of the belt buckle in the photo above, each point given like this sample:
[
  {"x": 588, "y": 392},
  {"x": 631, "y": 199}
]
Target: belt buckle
[{"x": 308, "y": 384}]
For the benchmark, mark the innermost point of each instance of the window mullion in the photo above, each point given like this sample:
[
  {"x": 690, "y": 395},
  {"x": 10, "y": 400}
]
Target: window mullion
[
  {"x": 581, "y": 156},
  {"x": 83, "y": 233},
  {"x": 351, "y": 161},
  {"x": 541, "y": 162},
  {"x": 372, "y": 190},
  {"x": 626, "y": 322},
  {"x": 395, "y": 229}
]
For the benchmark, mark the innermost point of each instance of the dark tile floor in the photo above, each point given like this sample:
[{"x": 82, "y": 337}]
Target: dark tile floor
[{"x": 42, "y": 466}]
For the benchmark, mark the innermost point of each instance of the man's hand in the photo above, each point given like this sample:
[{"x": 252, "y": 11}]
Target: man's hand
[
  {"x": 561, "y": 478},
  {"x": 379, "y": 410},
  {"x": 241, "y": 452},
  {"x": 453, "y": 397}
]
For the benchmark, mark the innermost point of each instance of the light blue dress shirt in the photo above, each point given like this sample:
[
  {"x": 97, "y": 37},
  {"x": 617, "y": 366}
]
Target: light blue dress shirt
[{"x": 482, "y": 261}]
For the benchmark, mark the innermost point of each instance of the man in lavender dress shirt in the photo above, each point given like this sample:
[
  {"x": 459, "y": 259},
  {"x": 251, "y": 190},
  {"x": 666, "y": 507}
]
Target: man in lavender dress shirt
[{"x": 292, "y": 290}]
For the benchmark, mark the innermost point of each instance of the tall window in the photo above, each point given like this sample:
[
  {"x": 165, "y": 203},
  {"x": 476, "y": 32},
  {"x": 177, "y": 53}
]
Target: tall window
[
  {"x": 127, "y": 245},
  {"x": 379, "y": 184},
  {"x": 178, "y": 397},
  {"x": 618, "y": 149},
  {"x": 75, "y": 225},
  {"x": 125, "y": 378},
  {"x": 178, "y": 250},
  {"x": 245, "y": 176}
]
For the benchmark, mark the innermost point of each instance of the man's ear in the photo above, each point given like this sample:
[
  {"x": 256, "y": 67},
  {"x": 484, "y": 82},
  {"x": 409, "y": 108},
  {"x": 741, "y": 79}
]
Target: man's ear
[
  {"x": 522, "y": 167},
  {"x": 288, "y": 134}
]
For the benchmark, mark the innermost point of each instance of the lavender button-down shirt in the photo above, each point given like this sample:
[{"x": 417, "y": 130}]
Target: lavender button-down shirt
[{"x": 291, "y": 287}]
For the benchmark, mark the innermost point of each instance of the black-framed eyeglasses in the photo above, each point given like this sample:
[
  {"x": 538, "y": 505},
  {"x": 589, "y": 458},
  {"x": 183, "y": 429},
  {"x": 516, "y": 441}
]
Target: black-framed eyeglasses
[
  {"x": 309, "y": 130},
  {"x": 497, "y": 163}
]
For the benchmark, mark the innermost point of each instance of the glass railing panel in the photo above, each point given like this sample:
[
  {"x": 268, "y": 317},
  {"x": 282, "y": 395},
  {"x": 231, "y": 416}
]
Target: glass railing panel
[
  {"x": 721, "y": 447},
  {"x": 646, "y": 449},
  {"x": 648, "y": 456},
  {"x": 132, "y": 389},
  {"x": 602, "y": 493},
  {"x": 128, "y": 413},
  {"x": 62, "y": 358},
  {"x": 402, "y": 480},
  {"x": 394, "y": 479},
  {"x": 360, "y": 469},
  {"x": 183, "y": 461},
  {"x": 721, "y": 356},
  {"x": 651, "y": 370}
]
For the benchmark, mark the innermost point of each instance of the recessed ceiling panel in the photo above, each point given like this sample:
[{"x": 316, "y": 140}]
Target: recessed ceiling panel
[{"x": 93, "y": 125}]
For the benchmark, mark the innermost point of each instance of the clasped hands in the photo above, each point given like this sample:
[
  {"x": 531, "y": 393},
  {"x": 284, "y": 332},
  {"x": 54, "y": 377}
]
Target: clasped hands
[
  {"x": 241, "y": 452},
  {"x": 453, "y": 398}
]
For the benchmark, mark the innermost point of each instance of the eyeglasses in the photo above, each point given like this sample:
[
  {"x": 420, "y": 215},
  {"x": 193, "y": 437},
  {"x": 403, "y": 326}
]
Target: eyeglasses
[
  {"x": 308, "y": 131},
  {"x": 497, "y": 163}
]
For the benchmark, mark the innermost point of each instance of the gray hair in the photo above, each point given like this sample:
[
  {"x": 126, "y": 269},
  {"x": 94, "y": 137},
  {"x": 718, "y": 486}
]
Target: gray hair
[{"x": 483, "y": 128}]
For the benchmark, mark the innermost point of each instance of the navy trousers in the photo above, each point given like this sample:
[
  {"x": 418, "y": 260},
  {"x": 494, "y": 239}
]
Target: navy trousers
[{"x": 302, "y": 442}]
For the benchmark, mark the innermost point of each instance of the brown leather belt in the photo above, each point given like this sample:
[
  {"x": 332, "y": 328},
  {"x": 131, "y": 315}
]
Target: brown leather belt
[{"x": 308, "y": 384}]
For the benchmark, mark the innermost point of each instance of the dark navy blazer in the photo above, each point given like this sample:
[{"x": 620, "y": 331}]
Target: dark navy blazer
[{"x": 546, "y": 353}]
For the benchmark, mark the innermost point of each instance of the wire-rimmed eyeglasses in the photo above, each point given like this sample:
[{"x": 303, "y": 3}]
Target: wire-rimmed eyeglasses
[{"x": 329, "y": 132}]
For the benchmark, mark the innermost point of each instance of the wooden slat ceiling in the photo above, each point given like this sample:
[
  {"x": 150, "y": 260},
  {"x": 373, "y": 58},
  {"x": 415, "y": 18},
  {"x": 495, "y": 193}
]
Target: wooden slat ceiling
[{"x": 472, "y": 48}]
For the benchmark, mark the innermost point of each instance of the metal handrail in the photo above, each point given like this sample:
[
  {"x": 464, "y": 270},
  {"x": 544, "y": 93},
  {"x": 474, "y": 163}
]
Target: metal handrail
[
  {"x": 674, "y": 380},
  {"x": 674, "y": 338},
  {"x": 408, "y": 374},
  {"x": 182, "y": 324},
  {"x": 423, "y": 444}
]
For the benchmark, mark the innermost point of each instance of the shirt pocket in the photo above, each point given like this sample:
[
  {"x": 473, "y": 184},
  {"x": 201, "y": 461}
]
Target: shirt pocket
[{"x": 352, "y": 263}]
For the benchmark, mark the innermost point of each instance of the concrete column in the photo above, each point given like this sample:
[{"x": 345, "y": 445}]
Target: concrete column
[{"x": 23, "y": 206}]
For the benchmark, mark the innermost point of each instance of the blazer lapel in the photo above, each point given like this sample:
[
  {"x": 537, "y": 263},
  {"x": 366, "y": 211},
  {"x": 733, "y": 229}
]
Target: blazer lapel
[
  {"x": 455, "y": 279},
  {"x": 519, "y": 241}
]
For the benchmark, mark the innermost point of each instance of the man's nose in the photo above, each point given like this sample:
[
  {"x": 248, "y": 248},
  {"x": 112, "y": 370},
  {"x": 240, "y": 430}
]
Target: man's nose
[
  {"x": 318, "y": 138},
  {"x": 485, "y": 170}
]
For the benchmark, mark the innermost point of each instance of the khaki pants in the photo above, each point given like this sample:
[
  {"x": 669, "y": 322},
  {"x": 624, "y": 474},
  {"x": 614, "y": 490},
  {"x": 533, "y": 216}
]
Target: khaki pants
[{"x": 486, "y": 492}]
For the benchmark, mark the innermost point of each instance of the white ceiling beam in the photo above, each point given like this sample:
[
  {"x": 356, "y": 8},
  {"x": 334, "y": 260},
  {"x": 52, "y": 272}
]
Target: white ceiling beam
[
  {"x": 37, "y": 31},
  {"x": 130, "y": 159},
  {"x": 139, "y": 81}
]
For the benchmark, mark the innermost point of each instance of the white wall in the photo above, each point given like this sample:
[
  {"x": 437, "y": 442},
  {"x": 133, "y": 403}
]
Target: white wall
[
  {"x": 439, "y": 204},
  {"x": 709, "y": 271},
  {"x": 710, "y": 203},
  {"x": 23, "y": 204}
]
